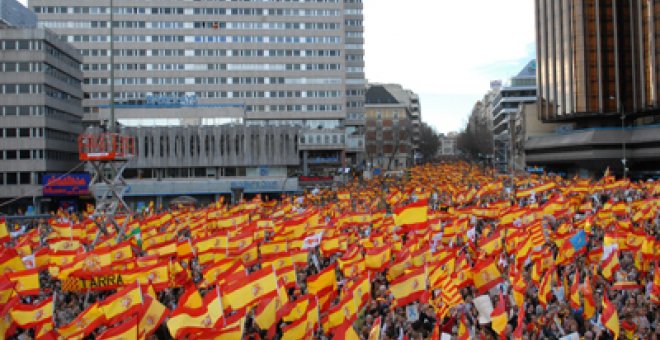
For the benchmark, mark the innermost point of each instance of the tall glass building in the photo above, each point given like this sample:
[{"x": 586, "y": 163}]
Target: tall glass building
[{"x": 203, "y": 62}]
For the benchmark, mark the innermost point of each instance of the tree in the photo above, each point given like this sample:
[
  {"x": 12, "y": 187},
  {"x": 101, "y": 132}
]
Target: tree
[
  {"x": 475, "y": 140},
  {"x": 429, "y": 142}
]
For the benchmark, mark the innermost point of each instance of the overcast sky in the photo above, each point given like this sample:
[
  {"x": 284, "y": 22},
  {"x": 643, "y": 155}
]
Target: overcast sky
[{"x": 446, "y": 51}]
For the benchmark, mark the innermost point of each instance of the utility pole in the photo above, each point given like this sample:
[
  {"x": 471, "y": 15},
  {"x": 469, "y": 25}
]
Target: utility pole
[{"x": 111, "y": 122}]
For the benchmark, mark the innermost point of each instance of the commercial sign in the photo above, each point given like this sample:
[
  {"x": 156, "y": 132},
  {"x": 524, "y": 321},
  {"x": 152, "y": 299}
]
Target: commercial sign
[
  {"x": 56, "y": 184},
  {"x": 304, "y": 179}
]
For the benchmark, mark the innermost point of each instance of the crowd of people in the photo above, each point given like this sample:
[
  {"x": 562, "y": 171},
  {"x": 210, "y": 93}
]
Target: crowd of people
[{"x": 524, "y": 257}]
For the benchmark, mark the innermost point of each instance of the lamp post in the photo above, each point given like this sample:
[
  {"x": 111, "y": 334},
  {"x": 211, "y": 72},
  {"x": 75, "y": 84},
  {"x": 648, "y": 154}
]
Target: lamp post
[
  {"x": 111, "y": 122},
  {"x": 624, "y": 161}
]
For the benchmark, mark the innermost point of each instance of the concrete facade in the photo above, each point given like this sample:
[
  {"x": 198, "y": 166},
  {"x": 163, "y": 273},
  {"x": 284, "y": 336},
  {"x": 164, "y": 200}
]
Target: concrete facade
[
  {"x": 393, "y": 126},
  {"x": 40, "y": 111},
  {"x": 267, "y": 62}
]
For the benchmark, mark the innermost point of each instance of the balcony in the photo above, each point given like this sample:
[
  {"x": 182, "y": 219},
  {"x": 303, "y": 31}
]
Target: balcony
[{"x": 322, "y": 140}]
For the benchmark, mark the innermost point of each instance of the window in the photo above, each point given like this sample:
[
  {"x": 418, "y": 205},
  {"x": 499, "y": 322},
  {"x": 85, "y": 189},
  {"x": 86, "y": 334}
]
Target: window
[
  {"x": 24, "y": 178},
  {"x": 12, "y": 178},
  {"x": 11, "y": 132},
  {"x": 24, "y": 154}
]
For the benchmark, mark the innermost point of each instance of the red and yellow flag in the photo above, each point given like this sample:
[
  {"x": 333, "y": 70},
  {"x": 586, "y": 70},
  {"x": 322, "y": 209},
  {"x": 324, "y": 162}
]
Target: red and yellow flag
[
  {"x": 498, "y": 317},
  {"x": 123, "y": 303},
  {"x": 30, "y": 316},
  {"x": 26, "y": 282},
  {"x": 589, "y": 303},
  {"x": 413, "y": 213},
  {"x": 486, "y": 275},
  {"x": 610, "y": 318},
  {"x": 152, "y": 316},
  {"x": 127, "y": 330},
  {"x": 240, "y": 294},
  {"x": 84, "y": 324},
  {"x": 324, "y": 279},
  {"x": 575, "y": 292},
  {"x": 409, "y": 287}
]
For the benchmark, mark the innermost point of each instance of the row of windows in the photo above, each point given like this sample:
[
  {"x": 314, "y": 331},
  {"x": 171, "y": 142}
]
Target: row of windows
[
  {"x": 37, "y": 133},
  {"x": 37, "y": 45},
  {"x": 243, "y": 25},
  {"x": 32, "y": 110},
  {"x": 207, "y": 38},
  {"x": 39, "y": 67},
  {"x": 308, "y": 123},
  {"x": 263, "y": 39},
  {"x": 295, "y": 108},
  {"x": 20, "y": 45},
  {"x": 207, "y": 67},
  {"x": 21, "y": 132},
  {"x": 217, "y": 53},
  {"x": 14, "y": 178},
  {"x": 21, "y": 154},
  {"x": 58, "y": 54},
  {"x": 228, "y": 94},
  {"x": 181, "y": 11}
]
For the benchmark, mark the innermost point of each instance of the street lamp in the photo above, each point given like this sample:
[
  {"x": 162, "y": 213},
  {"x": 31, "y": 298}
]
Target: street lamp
[{"x": 623, "y": 145}]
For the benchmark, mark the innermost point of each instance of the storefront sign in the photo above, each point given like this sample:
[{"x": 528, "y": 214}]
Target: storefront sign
[{"x": 56, "y": 184}]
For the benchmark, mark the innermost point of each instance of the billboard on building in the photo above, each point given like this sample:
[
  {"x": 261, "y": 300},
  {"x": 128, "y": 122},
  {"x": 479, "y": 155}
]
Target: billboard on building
[{"x": 58, "y": 184}]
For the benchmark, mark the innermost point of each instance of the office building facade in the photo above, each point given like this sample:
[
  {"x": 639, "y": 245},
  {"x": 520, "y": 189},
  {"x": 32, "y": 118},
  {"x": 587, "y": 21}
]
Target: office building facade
[
  {"x": 40, "y": 110},
  {"x": 267, "y": 63},
  {"x": 519, "y": 90},
  {"x": 598, "y": 77}
]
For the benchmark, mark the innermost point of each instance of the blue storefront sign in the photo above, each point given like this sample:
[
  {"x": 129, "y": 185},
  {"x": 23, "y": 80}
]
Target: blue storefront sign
[{"x": 57, "y": 184}]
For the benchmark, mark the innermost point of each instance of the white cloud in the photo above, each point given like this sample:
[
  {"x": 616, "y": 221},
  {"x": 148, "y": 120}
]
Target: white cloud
[{"x": 446, "y": 48}]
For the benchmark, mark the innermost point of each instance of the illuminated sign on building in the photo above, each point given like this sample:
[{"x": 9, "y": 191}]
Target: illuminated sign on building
[{"x": 57, "y": 184}]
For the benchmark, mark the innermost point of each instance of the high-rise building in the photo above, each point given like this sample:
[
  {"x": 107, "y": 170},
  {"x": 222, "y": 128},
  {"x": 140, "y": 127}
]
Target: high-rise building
[
  {"x": 40, "y": 108},
  {"x": 393, "y": 126},
  {"x": 265, "y": 62},
  {"x": 598, "y": 75},
  {"x": 521, "y": 89}
]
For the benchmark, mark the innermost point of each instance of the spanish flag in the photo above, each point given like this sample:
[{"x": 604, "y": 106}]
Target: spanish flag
[
  {"x": 6, "y": 292},
  {"x": 151, "y": 317},
  {"x": 298, "y": 330},
  {"x": 127, "y": 330},
  {"x": 26, "y": 282},
  {"x": 240, "y": 294},
  {"x": 125, "y": 302},
  {"x": 30, "y": 316},
  {"x": 655, "y": 290},
  {"x": 499, "y": 318},
  {"x": 610, "y": 318},
  {"x": 190, "y": 298},
  {"x": 84, "y": 324},
  {"x": 518, "y": 332},
  {"x": 463, "y": 332},
  {"x": 10, "y": 261},
  {"x": 294, "y": 310},
  {"x": 413, "y": 213},
  {"x": 265, "y": 315},
  {"x": 324, "y": 279},
  {"x": 345, "y": 312},
  {"x": 575, "y": 292},
  {"x": 486, "y": 275},
  {"x": 377, "y": 259},
  {"x": 409, "y": 287},
  {"x": 589, "y": 303},
  {"x": 545, "y": 288},
  {"x": 4, "y": 234},
  {"x": 345, "y": 332},
  {"x": 374, "y": 333},
  {"x": 610, "y": 265}
]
